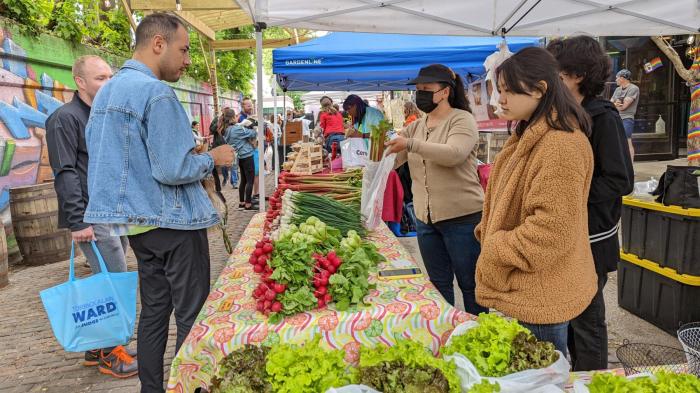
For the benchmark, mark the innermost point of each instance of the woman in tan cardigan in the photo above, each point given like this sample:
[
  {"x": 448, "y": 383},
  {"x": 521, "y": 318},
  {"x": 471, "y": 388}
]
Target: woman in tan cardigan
[
  {"x": 447, "y": 197},
  {"x": 536, "y": 263}
]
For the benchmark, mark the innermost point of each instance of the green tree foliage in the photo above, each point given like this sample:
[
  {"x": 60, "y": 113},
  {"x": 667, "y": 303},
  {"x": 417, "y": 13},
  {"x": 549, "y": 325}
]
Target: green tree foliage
[{"x": 32, "y": 15}]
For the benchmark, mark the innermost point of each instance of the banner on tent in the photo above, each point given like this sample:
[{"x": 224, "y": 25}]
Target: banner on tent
[{"x": 479, "y": 95}]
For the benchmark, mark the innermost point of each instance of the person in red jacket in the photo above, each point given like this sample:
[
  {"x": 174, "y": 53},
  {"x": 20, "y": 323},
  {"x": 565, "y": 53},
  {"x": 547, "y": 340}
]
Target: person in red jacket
[{"x": 331, "y": 122}]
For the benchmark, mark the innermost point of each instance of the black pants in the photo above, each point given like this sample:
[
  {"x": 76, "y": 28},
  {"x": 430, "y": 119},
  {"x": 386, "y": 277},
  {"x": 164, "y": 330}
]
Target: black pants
[
  {"x": 173, "y": 274},
  {"x": 245, "y": 189},
  {"x": 588, "y": 333}
]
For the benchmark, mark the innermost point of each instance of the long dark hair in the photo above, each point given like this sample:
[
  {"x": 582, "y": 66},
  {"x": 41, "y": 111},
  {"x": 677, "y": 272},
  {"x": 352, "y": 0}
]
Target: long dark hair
[
  {"x": 227, "y": 118},
  {"x": 523, "y": 73},
  {"x": 360, "y": 106}
]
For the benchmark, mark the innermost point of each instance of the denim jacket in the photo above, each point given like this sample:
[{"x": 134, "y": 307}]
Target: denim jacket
[
  {"x": 238, "y": 137},
  {"x": 142, "y": 169}
]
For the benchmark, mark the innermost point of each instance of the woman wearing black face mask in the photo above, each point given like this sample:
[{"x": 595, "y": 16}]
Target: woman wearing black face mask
[{"x": 441, "y": 152}]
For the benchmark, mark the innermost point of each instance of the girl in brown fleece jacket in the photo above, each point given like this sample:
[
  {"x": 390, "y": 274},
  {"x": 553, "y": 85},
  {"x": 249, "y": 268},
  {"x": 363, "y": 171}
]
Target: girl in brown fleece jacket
[{"x": 536, "y": 263}]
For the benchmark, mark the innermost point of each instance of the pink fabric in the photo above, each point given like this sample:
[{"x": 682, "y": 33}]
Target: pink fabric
[
  {"x": 484, "y": 173},
  {"x": 393, "y": 199}
]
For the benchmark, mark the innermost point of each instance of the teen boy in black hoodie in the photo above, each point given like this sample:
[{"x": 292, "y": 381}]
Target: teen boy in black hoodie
[{"x": 585, "y": 68}]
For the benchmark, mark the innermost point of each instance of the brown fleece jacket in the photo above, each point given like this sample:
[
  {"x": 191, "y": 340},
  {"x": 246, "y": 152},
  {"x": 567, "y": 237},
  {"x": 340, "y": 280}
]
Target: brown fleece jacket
[{"x": 536, "y": 263}]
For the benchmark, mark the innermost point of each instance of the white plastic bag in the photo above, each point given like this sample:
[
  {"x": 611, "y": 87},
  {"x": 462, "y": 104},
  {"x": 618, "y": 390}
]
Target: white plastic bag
[
  {"x": 545, "y": 380},
  {"x": 643, "y": 189},
  {"x": 268, "y": 159},
  {"x": 373, "y": 186},
  {"x": 354, "y": 152},
  {"x": 352, "y": 389}
]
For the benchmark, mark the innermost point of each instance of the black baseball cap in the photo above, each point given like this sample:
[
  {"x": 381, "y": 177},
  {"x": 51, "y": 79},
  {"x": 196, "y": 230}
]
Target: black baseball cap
[{"x": 434, "y": 73}]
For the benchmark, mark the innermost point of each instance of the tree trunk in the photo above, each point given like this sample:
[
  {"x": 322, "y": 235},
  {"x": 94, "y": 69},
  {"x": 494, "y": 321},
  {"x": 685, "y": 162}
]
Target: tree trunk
[{"x": 692, "y": 77}]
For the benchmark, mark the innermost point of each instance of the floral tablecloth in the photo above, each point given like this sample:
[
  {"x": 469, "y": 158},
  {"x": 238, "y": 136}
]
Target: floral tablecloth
[{"x": 399, "y": 308}]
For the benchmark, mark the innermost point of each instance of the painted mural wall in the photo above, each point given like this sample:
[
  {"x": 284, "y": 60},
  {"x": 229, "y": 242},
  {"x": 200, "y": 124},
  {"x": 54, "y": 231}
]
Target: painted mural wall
[{"x": 35, "y": 80}]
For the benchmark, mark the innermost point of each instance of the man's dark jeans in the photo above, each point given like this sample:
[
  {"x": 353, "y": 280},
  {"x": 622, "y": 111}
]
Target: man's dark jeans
[
  {"x": 449, "y": 249},
  {"x": 173, "y": 275}
]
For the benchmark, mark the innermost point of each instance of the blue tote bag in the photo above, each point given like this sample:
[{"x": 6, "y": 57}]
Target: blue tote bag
[{"x": 94, "y": 312}]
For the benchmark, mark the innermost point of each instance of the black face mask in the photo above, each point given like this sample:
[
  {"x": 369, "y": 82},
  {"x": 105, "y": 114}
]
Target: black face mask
[{"x": 424, "y": 101}]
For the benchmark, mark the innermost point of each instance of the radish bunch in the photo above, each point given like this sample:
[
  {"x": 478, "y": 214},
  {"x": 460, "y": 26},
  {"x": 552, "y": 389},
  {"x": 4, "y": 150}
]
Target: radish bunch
[
  {"x": 266, "y": 294},
  {"x": 324, "y": 268}
]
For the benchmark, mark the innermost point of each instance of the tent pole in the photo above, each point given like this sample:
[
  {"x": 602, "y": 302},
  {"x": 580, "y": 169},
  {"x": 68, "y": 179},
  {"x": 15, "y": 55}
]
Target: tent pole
[
  {"x": 284, "y": 125},
  {"x": 276, "y": 158},
  {"x": 261, "y": 121}
]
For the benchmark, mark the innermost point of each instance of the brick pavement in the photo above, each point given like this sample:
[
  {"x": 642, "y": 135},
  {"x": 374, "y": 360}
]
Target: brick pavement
[{"x": 30, "y": 358}]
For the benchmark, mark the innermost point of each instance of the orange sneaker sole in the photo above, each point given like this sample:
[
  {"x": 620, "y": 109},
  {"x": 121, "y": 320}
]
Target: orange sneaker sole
[
  {"x": 88, "y": 363},
  {"x": 112, "y": 373}
]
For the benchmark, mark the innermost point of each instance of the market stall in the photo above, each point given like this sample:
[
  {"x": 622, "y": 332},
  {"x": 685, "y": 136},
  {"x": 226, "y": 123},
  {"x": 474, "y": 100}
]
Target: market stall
[{"x": 410, "y": 308}]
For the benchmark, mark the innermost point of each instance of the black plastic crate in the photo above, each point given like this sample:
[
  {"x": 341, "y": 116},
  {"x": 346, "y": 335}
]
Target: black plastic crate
[
  {"x": 656, "y": 295},
  {"x": 667, "y": 235}
]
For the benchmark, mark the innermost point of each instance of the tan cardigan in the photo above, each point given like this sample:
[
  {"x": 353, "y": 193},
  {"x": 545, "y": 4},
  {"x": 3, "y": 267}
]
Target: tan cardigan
[
  {"x": 536, "y": 263},
  {"x": 443, "y": 167}
]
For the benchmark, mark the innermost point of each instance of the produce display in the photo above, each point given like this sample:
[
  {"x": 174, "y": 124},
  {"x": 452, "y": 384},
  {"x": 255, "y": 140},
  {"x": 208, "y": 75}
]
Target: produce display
[
  {"x": 282, "y": 368},
  {"x": 345, "y": 187},
  {"x": 377, "y": 138},
  {"x": 310, "y": 266},
  {"x": 407, "y": 367},
  {"x": 297, "y": 207},
  {"x": 242, "y": 371},
  {"x": 499, "y": 347},
  {"x": 661, "y": 382}
]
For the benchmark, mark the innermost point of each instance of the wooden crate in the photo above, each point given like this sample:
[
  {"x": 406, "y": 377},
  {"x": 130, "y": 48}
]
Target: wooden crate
[
  {"x": 292, "y": 132},
  {"x": 309, "y": 159}
]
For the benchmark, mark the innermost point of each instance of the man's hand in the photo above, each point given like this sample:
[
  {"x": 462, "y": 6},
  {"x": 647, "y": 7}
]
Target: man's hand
[
  {"x": 84, "y": 235},
  {"x": 397, "y": 145},
  {"x": 222, "y": 155}
]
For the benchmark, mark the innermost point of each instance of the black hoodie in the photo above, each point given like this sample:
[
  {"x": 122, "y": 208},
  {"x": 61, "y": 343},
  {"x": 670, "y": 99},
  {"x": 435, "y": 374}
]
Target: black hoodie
[{"x": 613, "y": 174}]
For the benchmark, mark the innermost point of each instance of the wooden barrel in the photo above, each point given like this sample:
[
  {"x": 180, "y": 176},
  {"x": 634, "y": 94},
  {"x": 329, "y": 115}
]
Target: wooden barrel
[
  {"x": 14, "y": 257},
  {"x": 35, "y": 221},
  {"x": 3, "y": 258}
]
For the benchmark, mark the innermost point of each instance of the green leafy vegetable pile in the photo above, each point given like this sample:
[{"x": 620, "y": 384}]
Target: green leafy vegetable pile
[
  {"x": 407, "y": 367},
  {"x": 485, "y": 387},
  {"x": 499, "y": 347},
  {"x": 665, "y": 383},
  {"x": 307, "y": 368},
  {"x": 242, "y": 371},
  {"x": 349, "y": 285}
]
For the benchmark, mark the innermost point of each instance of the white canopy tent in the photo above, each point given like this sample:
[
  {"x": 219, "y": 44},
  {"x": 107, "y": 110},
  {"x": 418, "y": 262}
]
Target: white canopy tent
[{"x": 472, "y": 18}]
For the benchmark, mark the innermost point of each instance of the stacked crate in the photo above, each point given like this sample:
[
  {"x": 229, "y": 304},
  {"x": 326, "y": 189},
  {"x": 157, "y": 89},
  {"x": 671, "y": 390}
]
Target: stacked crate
[{"x": 659, "y": 271}]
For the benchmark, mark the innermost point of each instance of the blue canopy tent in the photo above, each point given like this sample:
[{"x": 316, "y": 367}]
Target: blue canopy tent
[{"x": 364, "y": 61}]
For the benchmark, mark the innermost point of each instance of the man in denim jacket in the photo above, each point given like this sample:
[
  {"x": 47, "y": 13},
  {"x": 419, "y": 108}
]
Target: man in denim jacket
[{"x": 144, "y": 181}]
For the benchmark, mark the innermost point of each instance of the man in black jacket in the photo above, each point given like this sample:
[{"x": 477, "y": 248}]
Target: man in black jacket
[
  {"x": 68, "y": 156},
  {"x": 584, "y": 68}
]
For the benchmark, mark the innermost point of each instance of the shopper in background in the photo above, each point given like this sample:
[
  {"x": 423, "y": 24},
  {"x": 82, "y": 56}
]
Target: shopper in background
[
  {"x": 410, "y": 113},
  {"x": 584, "y": 68},
  {"x": 218, "y": 139},
  {"x": 536, "y": 263},
  {"x": 239, "y": 136},
  {"x": 331, "y": 122},
  {"x": 626, "y": 99},
  {"x": 363, "y": 116},
  {"x": 441, "y": 153},
  {"x": 198, "y": 140},
  {"x": 68, "y": 156}
]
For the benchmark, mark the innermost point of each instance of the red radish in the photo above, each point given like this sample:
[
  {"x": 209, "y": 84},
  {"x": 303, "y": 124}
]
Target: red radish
[
  {"x": 276, "y": 307},
  {"x": 317, "y": 294},
  {"x": 260, "y": 306},
  {"x": 270, "y": 294},
  {"x": 262, "y": 259},
  {"x": 258, "y": 252},
  {"x": 322, "y": 290},
  {"x": 267, "y": 304},
  {"x": 267, "y": 248},
  {"x": 259, "y": 244},
  {"x": 253, "y": 260},
  {"x": 317, "y": 282},
  {"x": 258, "y": 268},
  {"x": 324, "y": 281},
  {"x": 327, "y": 298},
  {"x": 321, "y": 303},
  {"x": 279, "y": 288},
  {"x": 332, "y": 269}
]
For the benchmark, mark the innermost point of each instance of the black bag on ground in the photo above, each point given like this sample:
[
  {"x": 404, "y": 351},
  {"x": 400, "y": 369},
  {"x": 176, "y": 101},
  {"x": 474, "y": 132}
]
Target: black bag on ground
[{"x": 679, "y": 186}]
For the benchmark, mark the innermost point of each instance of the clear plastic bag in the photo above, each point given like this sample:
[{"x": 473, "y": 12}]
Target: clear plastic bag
[
  {"x": 352, "y": 389},
  {"x": 373, "y": 186},
  {"x": 643, "y": 189},
  {"x": 545, "y": 380}
]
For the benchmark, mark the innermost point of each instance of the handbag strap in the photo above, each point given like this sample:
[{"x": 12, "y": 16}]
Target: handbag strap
[{"x": 71, "y": 271}]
